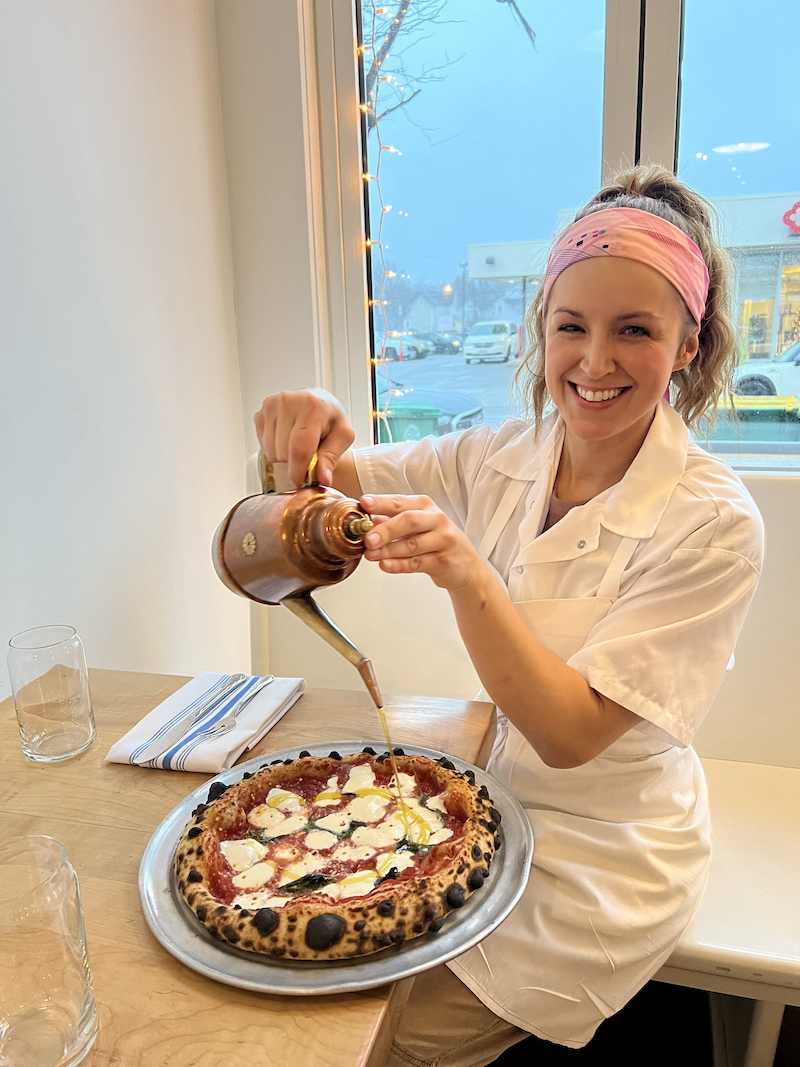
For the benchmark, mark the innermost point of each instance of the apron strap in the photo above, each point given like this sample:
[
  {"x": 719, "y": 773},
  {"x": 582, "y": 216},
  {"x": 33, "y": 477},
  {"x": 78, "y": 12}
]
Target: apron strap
[
  {"x": 508, "y": 502},
  {"x": 609, "y": 586}
]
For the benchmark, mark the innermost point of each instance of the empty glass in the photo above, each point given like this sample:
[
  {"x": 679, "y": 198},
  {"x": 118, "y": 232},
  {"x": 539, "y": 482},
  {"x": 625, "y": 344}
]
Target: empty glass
[
  {"x": 50, "y": 683},
  {"x": 48, "y": 1016}
]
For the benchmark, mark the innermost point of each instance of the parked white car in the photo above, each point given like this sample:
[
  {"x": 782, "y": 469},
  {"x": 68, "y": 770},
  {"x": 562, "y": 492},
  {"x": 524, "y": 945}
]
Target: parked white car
[
  {"x": 773, "y": 377},
  {"x": 492, "y": 342}
]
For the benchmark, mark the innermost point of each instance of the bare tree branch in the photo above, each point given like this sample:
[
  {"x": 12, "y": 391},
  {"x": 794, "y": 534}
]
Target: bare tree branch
[
  {"x": 398, "y": 105},
  {"x": 386, "y": 47}
]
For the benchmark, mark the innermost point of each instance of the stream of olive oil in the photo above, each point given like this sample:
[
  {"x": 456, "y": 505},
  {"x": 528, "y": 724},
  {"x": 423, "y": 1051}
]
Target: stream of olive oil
[{"x": 405, "y": 812}]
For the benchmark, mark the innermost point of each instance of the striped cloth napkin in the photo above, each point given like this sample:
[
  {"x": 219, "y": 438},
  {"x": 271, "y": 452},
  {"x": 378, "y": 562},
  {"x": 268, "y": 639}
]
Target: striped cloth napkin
[{"x": 199, "y": 751}]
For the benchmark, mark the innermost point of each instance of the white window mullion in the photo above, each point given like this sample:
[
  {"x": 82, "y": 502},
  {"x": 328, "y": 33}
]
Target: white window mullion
[
  {"x": 334, "y": 158},
  {"x": 621, "y": 85},
  {"x": 642, "y": 83},
  {"x": 660, "y": 82}
]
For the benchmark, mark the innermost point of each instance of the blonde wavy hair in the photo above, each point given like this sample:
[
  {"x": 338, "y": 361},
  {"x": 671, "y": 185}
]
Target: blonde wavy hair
[{"x": 696, "y": 390}]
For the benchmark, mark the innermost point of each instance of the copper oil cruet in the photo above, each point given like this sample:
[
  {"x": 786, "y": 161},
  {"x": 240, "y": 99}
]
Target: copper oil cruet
[{"x": 276, "y": 548}]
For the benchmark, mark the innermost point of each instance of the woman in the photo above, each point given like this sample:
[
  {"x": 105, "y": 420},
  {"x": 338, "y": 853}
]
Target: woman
[{"x": 600, "y": 566}]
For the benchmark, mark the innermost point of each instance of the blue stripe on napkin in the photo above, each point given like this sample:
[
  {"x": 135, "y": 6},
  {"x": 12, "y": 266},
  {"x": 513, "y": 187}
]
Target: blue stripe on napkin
[
  {"x": 187, "y": 744},
  {"x": 219, "y": 685}
]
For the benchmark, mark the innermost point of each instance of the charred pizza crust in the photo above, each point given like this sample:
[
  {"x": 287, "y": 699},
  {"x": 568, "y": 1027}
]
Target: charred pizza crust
[{"x": 311, "y": 927}]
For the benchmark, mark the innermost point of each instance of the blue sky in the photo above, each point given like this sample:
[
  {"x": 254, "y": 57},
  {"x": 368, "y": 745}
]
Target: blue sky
[{"x": 512, "y": 134}]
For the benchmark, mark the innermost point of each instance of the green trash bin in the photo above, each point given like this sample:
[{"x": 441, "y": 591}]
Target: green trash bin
[{"x": 409, "y": 422}]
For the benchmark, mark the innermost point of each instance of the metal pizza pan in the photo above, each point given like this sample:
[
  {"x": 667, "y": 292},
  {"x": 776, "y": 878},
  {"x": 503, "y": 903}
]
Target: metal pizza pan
[{"x": 182, "y": 935}]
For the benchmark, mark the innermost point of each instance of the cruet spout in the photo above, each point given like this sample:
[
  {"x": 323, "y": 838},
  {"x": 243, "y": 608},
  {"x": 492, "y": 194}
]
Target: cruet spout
[{"x": 307, "y": 609}]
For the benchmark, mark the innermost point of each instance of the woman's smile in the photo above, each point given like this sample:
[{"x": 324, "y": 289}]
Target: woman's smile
[{"x": 593, "y": 398}]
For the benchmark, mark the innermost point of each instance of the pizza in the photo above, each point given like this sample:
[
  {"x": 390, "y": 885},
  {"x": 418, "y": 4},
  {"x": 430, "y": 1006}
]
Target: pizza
[{"x": 320, "y": 858}]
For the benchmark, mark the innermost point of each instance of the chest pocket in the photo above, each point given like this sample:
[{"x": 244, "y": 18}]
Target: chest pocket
[{"x": 563, "y": 625}]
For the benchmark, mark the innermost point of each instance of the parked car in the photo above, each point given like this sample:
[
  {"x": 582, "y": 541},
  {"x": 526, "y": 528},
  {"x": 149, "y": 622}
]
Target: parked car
[
  {"x": 390, "y": 346},
  {"x": 773, "y": 377},
  {"x": 490, "y": 342},
  {"x": 449, "y": 344},
  {"x": 458, "y": 410}
]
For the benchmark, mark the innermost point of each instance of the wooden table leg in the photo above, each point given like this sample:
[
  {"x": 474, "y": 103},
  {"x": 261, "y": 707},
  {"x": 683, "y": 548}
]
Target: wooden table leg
[{"x": 765, "y": 1030}]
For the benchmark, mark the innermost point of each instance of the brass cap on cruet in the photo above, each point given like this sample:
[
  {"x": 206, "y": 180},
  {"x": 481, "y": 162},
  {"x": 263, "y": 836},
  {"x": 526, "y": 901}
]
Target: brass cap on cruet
[{"x": 356, "y": 527}]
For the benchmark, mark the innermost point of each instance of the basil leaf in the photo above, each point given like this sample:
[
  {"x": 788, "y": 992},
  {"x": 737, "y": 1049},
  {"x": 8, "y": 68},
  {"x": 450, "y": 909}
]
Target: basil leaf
[{"x": 307, "y": 884}]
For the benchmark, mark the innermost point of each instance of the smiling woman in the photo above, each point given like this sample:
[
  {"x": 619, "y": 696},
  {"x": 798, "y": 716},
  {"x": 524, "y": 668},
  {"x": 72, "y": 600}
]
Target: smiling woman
[{"x": 586, "y": 553}]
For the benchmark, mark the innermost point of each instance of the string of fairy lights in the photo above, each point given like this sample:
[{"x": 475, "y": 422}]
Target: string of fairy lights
[{"x": 374, "y": 239}]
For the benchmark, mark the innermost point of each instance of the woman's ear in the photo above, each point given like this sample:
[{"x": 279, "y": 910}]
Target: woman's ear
[{"x": 688, "y": 350}]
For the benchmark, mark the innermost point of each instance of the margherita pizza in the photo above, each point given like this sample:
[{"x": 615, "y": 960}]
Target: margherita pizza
[{"x": 322, "y": 858}]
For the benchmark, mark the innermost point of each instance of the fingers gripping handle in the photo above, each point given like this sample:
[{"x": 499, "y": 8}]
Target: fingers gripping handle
[
  {"x": 307, "y": 609},
  {"x": 266, "y": 473}
]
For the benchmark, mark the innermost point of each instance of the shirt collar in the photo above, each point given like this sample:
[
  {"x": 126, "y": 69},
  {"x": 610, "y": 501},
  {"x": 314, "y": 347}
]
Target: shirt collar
[{"x": 634, "y": 506}]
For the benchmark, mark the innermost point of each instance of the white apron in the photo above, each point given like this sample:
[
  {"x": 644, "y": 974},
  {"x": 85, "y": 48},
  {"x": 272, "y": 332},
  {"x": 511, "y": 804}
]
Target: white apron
[{"x": 621, "y": 847}]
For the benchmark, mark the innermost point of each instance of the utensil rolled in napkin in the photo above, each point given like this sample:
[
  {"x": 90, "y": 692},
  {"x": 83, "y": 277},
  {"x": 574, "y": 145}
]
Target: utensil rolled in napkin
[{"x": 208, "y": 723}]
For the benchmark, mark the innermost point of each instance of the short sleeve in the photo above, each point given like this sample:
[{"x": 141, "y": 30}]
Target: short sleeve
[
  {"x": 662, "y": 649},
  {"x": 443, "y": 468}
]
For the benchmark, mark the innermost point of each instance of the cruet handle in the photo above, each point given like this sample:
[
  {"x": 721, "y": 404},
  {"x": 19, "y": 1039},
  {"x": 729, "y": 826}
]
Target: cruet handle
[{"x": 266, "y": 474}]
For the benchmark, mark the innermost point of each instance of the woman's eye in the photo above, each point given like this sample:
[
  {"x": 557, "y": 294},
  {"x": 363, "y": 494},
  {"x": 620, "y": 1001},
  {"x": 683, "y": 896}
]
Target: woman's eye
[
  {"x": 569, "y": 327},
  {"x": 637, "y": 331}
]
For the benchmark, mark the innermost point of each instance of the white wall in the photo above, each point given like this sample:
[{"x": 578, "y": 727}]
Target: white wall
[
  {"x": 261, "y": 94},
  {"x": 121, "y": 435},
  {"x": 756, "y": 715}
]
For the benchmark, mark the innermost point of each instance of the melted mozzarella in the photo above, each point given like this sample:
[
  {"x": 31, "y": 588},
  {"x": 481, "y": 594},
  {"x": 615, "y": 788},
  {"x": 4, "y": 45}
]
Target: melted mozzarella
[
  {"x": 265, "y": 818},
  {"x": 408, "y": 787},
  {"x": 354, "y": 885},
  {"x": 308, "y": 865},
  {"x": 367, "y": 809},
  {"x": 336, "y": 823},
  {"x": 349, "y": 852},
  {"x": 362, "y": 809},
  {"x": 401, "y": 860},
  {"x": 437, "y": 804},
  {"x": 285, "y": 853},
  {"x": 330, "y": 795},
  {"x": 242, "y": 854},
  {"x": 284, "y": 800},
  {"x": 362, "y": 776},
  {"x": 321, "y": 840},
  {"x": 424, "y": 823},
  {"x": 386, "y": 833},
  {"x": 257, "y": 900},
  {"x": 276, "y": 824},
  {"x": 258, "y": 874},
  {"x": 439, "y": 836}
]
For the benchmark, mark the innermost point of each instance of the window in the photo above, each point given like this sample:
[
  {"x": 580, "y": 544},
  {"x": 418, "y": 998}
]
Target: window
[
  {"x": 483, "y": 131},
  {"x": 740, "y": 146}
]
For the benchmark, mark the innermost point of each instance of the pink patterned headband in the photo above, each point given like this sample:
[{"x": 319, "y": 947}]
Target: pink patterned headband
[{"x": 629, "y": 233}]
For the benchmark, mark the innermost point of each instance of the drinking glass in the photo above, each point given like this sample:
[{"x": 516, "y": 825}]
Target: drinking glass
[
  {"x": 50, "y": 683},
  {"x": 48, "y": 1016}
]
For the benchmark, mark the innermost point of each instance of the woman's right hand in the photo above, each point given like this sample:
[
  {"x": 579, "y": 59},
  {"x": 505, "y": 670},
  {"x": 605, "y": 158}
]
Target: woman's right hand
[{"x": 291, "y": 427}]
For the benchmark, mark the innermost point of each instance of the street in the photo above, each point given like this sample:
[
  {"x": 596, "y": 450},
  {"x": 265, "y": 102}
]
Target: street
[{"x": 487, "y": 382}]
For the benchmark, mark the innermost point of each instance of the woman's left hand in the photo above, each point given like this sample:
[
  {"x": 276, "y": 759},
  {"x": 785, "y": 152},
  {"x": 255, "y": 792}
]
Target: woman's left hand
[{"x": 413, "y": 535}]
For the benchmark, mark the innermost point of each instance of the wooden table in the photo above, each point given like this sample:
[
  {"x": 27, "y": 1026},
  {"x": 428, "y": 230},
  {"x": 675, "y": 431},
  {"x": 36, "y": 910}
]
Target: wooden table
[{"x": 152, "y": 1009}]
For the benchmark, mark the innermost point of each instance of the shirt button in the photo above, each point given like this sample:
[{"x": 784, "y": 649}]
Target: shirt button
[
  {"x": 519, "y": 570},
  {"x": 581, "y": 544}
]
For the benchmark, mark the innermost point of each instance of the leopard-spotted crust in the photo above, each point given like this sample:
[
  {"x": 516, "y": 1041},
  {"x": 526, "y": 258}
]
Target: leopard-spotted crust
[{"x": 310, "y": 927}]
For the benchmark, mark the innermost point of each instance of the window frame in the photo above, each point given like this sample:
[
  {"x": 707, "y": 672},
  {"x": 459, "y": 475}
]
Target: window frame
[{"x": 640, "y": 121}]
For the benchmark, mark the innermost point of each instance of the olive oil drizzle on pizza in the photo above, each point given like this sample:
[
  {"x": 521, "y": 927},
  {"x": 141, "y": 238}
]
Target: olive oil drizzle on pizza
[{"x": 406, "y": 814}]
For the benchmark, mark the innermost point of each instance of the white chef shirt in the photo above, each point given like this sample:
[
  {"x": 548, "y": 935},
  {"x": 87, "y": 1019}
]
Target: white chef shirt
[{"x": 643, "y": 590}]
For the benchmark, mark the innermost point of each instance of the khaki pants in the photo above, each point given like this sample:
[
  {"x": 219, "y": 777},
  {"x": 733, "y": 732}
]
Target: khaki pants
[{"x": 445, "y": 1025}]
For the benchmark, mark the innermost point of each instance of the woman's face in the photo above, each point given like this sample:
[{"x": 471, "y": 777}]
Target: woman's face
[{"x": 615, "y": 331}]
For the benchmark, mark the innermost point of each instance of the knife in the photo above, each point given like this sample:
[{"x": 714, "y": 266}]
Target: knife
[{"x": 174, "y": 731}]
